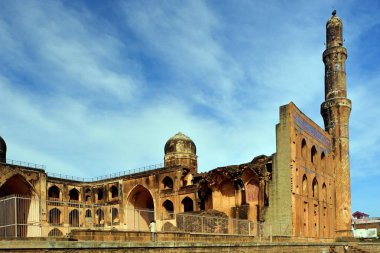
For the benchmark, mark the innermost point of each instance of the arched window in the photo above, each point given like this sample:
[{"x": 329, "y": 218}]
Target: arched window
[
  {"x": 315, "y": 188},
  {"x": 100, "y": 194},
  {"x": 167, "y": 183},
  {"x": 53, "y": 192},
  {"x": 169, "y": 209},
  {"x": 115, "y": 215},
  {"x": 88, "y": 214},
  {"x": 100, "y": 217},
  {"x": 323, "y": 160},
  {"x": 74, "y": 218},
  {"x": 304, "y": 185},
  {"x": 324, "y": 192},
  {"x": 55, "y": 217},
  {"x": 55, "y": 232},
  {"x": 74, "y": 194},
  {"x": 303, "y": 148},
  {"x": 188, "y": 204},
  {"x": 114, "y": 192},
  {"x": 313, "y": 155}
]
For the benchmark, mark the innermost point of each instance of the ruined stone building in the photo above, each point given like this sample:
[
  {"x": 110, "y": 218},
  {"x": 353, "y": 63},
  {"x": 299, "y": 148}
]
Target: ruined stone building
[{"x": 303, "y": 189}]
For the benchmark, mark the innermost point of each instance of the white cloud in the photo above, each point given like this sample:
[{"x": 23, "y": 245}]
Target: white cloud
[{"x": 86, "y": 95}]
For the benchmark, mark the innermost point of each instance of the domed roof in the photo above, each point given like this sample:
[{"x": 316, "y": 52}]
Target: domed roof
[
  {"x": 180, "y": 143},
  {"x": 3, "y": 147}
]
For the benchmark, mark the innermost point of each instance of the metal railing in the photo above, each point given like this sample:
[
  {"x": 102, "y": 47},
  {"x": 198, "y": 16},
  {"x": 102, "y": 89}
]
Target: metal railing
[
  {"x": 31, "y": 217},
  {"x": 24, "y": 164},
  {"x": 112, "y": 175},
  {"x": 84, "y": 179}
]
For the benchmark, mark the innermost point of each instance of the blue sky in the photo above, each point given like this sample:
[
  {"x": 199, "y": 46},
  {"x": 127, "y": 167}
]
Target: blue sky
[{"x": 90, "y": 88}]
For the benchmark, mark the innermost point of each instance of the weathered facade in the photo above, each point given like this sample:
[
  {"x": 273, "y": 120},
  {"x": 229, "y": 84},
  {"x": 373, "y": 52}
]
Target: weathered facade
[{"x": 303, "y": 189}]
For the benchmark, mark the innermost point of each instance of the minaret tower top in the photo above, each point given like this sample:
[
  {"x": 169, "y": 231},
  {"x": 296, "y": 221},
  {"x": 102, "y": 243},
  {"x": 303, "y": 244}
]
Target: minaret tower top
[
  {"x": 334, "y": 58},
  {"x": 334, "y": 34}
]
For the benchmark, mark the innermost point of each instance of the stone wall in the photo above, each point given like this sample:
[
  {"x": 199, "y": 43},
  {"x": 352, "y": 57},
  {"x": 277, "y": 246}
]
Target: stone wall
[
  {"x": 279, "y": 209},
  {"x": 31, "y": 246}
]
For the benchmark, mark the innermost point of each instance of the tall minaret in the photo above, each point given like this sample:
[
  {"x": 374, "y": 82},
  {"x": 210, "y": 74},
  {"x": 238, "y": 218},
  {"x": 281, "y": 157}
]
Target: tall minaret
[{"x": 335, "y": 111}]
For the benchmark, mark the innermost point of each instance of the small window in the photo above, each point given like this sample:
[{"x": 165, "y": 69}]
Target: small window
[
  {"x": 303, "y": 148},
  {"x": 313, "y": 154},
  {"x": 100, "y": 194},
  {"x": 324, "y": 192},
  {"x": 167, "y": 183},
  {"x": 53, "y": 192},
  {"x": 169, "y": 209},
  {"x": 315, "y": 188},
  {"x": 304, "y": 185},
  {"x": 55, "y": 217},
  {"x": 188, "y": 204},
  {"x": 74, "y": 194},
  {"x": 114, "y": 192}
]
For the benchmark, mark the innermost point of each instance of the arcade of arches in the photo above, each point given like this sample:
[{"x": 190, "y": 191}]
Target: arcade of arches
[
  {"x": 304, "y": 186},
  {"x": 132, "y": 202}
]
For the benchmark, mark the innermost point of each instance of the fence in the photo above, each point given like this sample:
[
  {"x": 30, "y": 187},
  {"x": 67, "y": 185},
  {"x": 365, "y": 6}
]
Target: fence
[
  {"x": 105, "y": 177},
  {"x": 83, "y": 179},
  {"x": 22, "y": 216}
]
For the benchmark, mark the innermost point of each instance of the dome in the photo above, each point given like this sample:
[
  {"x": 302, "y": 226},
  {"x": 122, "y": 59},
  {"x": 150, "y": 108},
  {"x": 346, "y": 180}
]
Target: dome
[
  {"x": 3, "y": 148},
  {"x": 180, "y": 143}
]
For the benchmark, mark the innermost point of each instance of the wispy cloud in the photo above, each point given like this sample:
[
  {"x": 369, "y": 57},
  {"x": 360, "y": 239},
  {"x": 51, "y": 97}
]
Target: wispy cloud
[{"x": 88, "y": 91}]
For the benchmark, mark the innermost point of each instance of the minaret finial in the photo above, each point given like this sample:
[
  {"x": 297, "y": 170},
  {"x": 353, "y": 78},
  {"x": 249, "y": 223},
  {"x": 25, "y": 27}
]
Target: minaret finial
[{"x": 334, "y": 12}]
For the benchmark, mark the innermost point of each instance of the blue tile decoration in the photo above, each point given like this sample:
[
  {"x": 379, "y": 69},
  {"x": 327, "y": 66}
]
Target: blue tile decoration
[{"x": 303, "y": 125}]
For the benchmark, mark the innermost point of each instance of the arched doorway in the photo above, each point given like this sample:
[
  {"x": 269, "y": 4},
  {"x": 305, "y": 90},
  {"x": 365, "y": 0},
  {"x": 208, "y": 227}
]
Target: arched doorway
[
  {"x": 74, "y": 218},
  {"x": 18, "y": 205},
  {"x": 55, "y": 217},
  {"x": 16, "y": 185},
  {"x": 140, "y": 211},
  {"x": 168, "y": 209},
  {"x": 188, "y": 204},
  {"x": 54, "y": 193}
]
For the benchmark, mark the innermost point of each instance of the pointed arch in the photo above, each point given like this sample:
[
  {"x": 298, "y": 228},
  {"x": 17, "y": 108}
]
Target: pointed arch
[
  {"x": 313, "y": 155},
  {"x": 88, "y": 214},
  {"x": 115, "y": 215},
  {"x": 167, "y": 183},
  {"x": 323, "y": 160},
  {"x": 303, "y": 148},
  {"x": 100, "y": 194},
  {"x": 188, "y": 204},
  {"x": 99, "y": 217},
  {"x": 141, "y": 208},
  {"x": 55, "y": 217},
  {"x": 54, "y": 192},
  {"x": 55, "y": 232},
  {"x": 315, "y": 187},
  {"x": 140, "y": 198},
  {"x": 252, "y": 189},
  {"x": 324, "y": 192},
  {"x": 168, "y": 209},
  {"x": 304, "y": 185},
  {"x": 74, "y": 194},
  {"x": 74, "y": 218},
  {"x": 16, "y": 185},
  {"x": 114, "y": 192}
]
